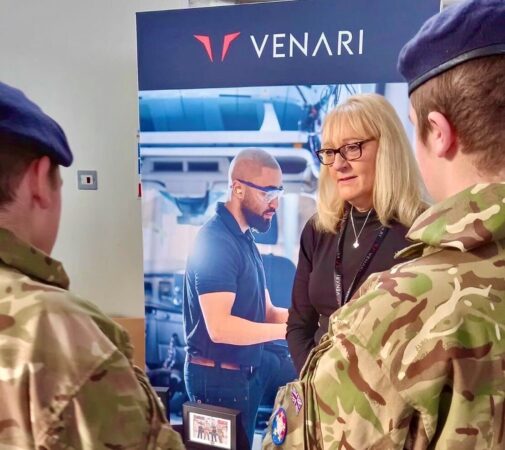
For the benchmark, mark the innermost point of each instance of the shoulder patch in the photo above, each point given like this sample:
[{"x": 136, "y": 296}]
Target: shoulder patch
[{"x": 279, "y": 427}]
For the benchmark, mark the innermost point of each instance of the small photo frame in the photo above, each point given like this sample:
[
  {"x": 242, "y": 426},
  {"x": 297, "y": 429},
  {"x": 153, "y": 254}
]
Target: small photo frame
[{"x": 209, "y": 426}]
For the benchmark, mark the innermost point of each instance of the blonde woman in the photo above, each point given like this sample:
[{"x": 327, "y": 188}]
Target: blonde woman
[{"x": 369, "y": 195}]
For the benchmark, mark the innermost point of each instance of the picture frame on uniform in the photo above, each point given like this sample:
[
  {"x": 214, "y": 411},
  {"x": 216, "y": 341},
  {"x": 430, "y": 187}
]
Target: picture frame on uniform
[{"x": 210, "y": 427}]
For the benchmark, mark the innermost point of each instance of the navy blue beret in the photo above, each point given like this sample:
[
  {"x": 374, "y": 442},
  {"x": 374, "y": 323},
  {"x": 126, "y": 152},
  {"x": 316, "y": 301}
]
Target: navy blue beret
[
  {"x": 22, "y": 119},
  {"x": 467, "y": 30}
]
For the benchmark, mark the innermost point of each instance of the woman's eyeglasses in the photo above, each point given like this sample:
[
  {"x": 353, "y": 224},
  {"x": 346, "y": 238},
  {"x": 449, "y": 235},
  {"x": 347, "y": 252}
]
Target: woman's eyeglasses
[
  {"x": 348, "y": 152},
  {"x": 269, "y": 192}
]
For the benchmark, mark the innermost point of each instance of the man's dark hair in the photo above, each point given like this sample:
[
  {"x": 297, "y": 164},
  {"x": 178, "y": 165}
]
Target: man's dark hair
[{"x": 16, "y": 155}]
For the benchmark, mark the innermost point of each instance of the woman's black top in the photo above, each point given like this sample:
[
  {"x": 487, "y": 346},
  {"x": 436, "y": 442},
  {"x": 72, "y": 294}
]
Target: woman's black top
[{"x": 314, "y": 296}]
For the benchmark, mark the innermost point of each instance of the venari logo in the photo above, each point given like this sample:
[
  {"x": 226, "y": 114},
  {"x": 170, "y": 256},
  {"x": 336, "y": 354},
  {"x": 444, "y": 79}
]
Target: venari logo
[
  {"x": 207, "y": 44},
  {"x": 288, "y": 45}
]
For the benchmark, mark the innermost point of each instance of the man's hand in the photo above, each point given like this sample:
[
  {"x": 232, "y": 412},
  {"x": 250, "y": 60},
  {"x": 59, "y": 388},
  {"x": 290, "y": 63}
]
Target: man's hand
[{"x": 274, "y": 314}]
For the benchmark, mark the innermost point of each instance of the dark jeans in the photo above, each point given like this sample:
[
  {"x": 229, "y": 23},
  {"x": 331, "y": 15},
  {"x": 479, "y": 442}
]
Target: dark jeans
[{"x": 237, "y": 389}]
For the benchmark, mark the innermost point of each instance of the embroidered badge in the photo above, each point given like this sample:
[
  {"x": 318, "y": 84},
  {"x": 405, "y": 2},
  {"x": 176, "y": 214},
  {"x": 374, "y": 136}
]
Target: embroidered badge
[
  {"x": 279, "y": 427},
  {"x": 296, "y": 399}
]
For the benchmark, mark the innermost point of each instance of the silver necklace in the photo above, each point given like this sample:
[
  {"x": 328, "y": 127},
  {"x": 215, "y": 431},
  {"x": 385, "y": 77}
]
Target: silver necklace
[{"x": 356, "y": 236}]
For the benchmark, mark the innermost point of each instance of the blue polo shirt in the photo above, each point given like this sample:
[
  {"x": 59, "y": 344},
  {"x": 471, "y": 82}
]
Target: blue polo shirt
[{"x": 224, "y": 259}]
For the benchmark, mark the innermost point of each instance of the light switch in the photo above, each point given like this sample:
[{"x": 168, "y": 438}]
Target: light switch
[{"x": 87, "y": 179}]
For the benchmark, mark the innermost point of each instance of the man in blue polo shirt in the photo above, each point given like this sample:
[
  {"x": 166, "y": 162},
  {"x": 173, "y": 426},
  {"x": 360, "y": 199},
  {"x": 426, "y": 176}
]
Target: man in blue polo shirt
[{"x": 228, "y": 314}]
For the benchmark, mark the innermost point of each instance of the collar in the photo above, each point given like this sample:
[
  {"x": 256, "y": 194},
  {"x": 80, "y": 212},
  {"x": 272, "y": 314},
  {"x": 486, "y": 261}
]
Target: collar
[
  {"x": 231, "y": 223},
  {"x": 32, "y": 262},
  {"x": 356, "y": 212},
  {"x": 470, "y": 219}
]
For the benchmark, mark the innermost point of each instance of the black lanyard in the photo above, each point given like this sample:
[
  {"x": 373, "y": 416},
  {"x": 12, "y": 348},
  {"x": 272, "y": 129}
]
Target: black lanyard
[{"x": 364, "y": 264}]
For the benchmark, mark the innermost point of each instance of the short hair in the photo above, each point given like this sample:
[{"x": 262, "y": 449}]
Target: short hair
[
  {"x": 398, "y": 189},
  {"x": 472, "y": 98},
  {"x": 16, "y": 155},
  {"x": 254, "y": 158}
]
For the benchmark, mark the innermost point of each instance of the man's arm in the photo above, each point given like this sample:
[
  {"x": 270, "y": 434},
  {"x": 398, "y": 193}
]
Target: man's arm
[
  {"x": 224, "y": 328},
  {"x": 274, "y": 314},
  {"x": 371, "y": 412},
  {"x": 85, "y": 392},
  {"x": 114, "y": 408},
  {"x": 383, "y": 398}
]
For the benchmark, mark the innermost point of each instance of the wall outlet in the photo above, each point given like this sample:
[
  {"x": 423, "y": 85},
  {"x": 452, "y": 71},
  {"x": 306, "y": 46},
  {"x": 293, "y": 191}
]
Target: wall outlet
[{"x": 87, "y": 180}]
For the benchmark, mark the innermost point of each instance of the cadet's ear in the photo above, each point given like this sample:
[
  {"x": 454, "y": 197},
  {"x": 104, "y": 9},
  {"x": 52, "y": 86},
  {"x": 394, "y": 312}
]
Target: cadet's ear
[
  {"x": 41, "y": 181},
  {"x": 441, "y": 136}
]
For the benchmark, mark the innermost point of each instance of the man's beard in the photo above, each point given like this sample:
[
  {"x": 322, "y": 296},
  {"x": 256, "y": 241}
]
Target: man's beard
[{"x": 256, "y": 221}]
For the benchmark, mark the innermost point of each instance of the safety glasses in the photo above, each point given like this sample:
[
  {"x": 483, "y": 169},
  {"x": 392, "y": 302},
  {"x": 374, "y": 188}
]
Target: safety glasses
[{"x": 270, "y": 193}]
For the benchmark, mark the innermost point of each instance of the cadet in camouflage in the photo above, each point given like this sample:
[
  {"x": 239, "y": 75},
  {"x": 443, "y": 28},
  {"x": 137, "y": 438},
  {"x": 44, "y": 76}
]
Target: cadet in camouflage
[
  {"x": 66, "y": 378},
  {"x": 417, "y": 359},
  {"x": 66, "y": 375}
]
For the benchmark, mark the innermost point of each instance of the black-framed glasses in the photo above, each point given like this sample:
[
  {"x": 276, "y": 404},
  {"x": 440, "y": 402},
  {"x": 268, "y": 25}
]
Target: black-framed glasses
[
  {"x": 270, "y": 192},
  {"x": 348, "y": 152}
]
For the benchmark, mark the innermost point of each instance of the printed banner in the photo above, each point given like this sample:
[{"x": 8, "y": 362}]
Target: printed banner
[{"x": 213, "y": 81}]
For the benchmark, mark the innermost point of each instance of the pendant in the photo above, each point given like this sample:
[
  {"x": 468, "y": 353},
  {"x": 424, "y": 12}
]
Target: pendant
[{"x": 356, "y": 244}]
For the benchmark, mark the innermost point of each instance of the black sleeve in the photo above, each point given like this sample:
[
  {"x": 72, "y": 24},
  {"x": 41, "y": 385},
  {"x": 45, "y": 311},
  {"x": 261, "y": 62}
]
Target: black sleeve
[{"x": 303, "y": 318}]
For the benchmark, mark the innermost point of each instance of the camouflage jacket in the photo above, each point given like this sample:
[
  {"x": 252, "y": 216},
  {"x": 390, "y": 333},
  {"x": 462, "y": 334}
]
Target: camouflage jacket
[
  {"x": 66, "y": 377},
  {"x": 417, "y": 360}
]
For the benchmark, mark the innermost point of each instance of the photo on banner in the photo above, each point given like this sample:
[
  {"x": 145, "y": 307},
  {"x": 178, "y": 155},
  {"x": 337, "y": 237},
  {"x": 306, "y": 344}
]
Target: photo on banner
[
  {"x": 208, "y": 91},
  {"x": 187, "y": 141}
]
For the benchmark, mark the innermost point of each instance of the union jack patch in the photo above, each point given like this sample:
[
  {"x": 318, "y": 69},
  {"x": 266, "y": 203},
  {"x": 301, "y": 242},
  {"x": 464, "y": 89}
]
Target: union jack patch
[{"x": 296, "y": 399}]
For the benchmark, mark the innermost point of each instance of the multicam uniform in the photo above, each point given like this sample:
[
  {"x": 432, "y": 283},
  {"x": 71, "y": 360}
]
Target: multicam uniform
[
  {"x": 418, "y": 361},
  {"x": 66, "y": 379}
]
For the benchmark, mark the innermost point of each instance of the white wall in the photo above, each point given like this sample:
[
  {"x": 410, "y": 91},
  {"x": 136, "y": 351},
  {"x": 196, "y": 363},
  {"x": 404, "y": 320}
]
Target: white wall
[{"x": 78, "y": 61}]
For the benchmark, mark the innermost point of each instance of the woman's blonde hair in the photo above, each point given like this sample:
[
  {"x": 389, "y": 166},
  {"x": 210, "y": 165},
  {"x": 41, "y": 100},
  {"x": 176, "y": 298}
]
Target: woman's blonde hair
[{"x": 397, "y": 191}]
